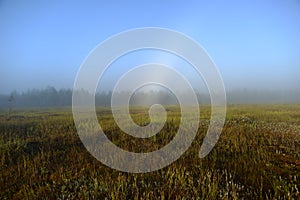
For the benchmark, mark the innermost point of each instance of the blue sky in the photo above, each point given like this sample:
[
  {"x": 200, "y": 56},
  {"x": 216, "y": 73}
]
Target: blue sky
[{"x": 255, "y": 44}]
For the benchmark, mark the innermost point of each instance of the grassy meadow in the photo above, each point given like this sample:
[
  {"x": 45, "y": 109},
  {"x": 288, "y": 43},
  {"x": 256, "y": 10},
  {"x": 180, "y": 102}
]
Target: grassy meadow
[{"x": 256, "y": 157}]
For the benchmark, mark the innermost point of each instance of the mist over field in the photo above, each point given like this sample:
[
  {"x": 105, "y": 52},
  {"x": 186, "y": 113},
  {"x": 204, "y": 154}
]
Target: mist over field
[
  {"x": 52, "y": 97},
  {"x": 255, "y": 44},
  {"x": 78, "y": 80}
]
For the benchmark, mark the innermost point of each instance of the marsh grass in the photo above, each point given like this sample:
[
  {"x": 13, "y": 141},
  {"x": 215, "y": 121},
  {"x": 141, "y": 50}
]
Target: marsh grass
[{"x": 256, "y": 157}]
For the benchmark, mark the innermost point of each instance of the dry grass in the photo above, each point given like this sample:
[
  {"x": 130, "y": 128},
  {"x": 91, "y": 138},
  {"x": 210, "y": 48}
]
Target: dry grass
[{"x": 257, "y": 157}]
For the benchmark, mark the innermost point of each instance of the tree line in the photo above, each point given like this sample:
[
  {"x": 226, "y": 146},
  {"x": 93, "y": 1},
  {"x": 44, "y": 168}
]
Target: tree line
[{"x": 51, "y": 97}]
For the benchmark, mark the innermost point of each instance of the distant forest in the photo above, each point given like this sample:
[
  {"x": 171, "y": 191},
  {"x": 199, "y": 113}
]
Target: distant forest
[{"x": 51, "y": 97}]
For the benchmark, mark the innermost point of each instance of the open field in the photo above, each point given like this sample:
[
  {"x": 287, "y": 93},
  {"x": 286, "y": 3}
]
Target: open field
[{"x": 256, "y": 157}]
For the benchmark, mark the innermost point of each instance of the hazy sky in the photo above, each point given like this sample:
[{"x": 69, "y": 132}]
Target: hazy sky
[{"x": 255, "y": 44}]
